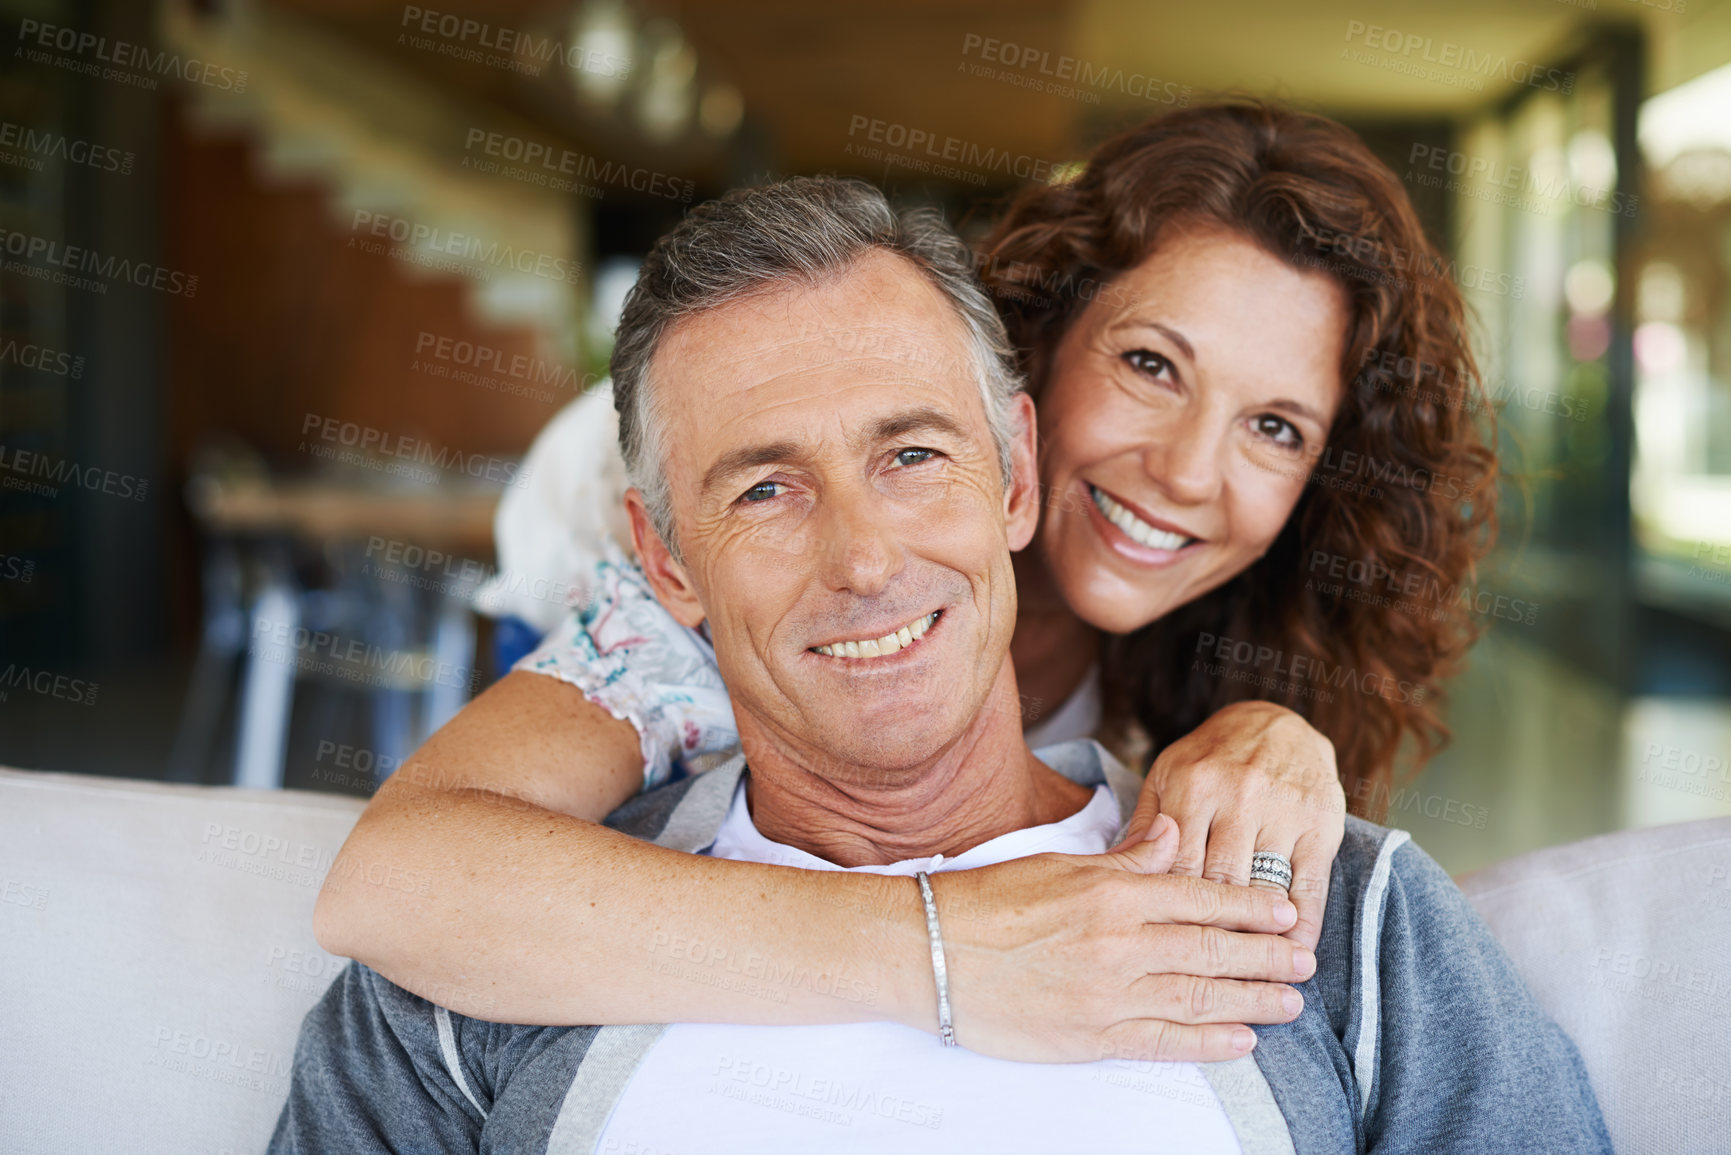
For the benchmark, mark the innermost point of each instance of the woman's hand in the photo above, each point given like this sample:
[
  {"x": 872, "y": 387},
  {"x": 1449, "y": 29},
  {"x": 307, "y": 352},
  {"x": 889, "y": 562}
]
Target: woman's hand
[
  {"x": 1074, "y": 958},
  {"x": 1255, "y": 776}
]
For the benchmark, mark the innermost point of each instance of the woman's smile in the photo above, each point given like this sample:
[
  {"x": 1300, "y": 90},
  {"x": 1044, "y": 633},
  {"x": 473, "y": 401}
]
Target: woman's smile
[{"x": 1133, "y": 533}]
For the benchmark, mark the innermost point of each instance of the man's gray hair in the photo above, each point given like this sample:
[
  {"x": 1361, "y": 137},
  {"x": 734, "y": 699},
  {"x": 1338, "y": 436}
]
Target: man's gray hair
[{"x": 806, "y": 229}]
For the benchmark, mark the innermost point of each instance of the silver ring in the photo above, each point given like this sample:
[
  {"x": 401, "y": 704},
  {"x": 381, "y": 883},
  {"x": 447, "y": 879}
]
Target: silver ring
[{"x": 1269, "y": 866}]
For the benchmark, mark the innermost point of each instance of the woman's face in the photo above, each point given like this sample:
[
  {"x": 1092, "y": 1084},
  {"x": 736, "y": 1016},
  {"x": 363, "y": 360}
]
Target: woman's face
[{"x": 1181, "y": 414}]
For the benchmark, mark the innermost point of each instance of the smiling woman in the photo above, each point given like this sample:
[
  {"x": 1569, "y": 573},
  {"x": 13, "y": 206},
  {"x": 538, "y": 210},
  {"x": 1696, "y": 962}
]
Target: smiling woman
[{"x": 1268, "y": 384}]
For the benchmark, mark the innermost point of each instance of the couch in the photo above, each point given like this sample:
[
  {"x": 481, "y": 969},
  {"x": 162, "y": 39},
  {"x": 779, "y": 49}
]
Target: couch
[{"x": 158, "y": 954}]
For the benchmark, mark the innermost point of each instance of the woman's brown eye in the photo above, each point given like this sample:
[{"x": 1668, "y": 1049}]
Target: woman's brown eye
[
  {"x": 1279, "y": 430},
  {"x": 1144, "y": 361}
]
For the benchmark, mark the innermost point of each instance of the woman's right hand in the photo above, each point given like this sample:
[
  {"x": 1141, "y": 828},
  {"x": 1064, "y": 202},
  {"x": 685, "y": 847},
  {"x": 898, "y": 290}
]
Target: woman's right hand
[{"x": 1070, "y": 958}]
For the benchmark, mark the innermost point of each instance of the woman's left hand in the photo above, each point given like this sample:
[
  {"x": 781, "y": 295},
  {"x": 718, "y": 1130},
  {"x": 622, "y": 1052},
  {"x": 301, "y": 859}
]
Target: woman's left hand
[{"x": 1255, "y": 776}]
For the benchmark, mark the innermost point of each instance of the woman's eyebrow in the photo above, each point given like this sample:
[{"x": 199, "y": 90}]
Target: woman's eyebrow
[
  {"x": 1167, "y": 331},
  {"x": 1298, "y": 407},
  {"x": 1173, "y": 335}
]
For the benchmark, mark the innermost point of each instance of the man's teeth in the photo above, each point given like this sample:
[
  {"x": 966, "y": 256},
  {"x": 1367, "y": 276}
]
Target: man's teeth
[
  {"x": 880, "y": 647},
  {"x": 1134, "y": 527}
]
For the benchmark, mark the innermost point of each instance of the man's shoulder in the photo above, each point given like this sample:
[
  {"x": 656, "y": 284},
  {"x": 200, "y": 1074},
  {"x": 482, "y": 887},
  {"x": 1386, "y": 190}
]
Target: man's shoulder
[
  {"x": 1371, "y": 859},
  {"x": 646, "y": 814},
  {"x": 1383, "y": 884},
  {"x": 685, "y": 814}
]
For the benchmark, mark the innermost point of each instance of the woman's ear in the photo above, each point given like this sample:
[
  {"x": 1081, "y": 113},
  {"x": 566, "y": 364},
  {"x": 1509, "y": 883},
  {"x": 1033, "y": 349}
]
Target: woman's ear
[
  {"x": 1022, "y": 496},
  {"x": 666, "y": 575}
]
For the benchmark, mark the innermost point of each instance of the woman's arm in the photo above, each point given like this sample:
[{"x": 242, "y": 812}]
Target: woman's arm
[
  {"x": 1255, "y": 776},
  {"x": 510, "y": 903}
]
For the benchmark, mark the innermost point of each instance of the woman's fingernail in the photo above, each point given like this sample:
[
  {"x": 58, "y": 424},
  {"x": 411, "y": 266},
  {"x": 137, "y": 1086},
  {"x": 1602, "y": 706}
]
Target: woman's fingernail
[
  {"x": 1162, "y": 824},
  {"x": 1303, "y": 963},
  {"x": 1286, "y": 912},
  {"x": 1243, "y": 1039},
  {"x": 1292, "y": 1001}
]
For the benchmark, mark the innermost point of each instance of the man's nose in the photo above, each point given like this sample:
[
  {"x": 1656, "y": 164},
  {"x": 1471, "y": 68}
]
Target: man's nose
[
  {"x": 1184, "y": 458},
  {"x": 860, "y": 550}
]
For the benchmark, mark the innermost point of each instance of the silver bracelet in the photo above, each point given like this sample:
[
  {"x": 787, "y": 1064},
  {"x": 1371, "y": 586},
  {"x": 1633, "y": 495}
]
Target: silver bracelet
[{"x": 946, "y": 1029}]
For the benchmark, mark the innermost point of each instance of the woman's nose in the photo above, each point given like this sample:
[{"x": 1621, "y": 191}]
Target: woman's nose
[{"x": 1184, "y": 457}]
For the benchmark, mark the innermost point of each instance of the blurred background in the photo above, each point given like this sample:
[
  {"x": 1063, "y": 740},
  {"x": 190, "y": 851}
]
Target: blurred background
[{"x": 289, "y": 286}]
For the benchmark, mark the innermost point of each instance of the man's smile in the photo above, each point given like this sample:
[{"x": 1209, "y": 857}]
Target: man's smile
[{"x": 880, "y": 647}]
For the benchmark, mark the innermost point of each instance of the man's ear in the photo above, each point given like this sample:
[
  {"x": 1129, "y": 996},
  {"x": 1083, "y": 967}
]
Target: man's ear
[
  {"x": 1022, "y": 498},
  {"x": 667, "y": 577}
]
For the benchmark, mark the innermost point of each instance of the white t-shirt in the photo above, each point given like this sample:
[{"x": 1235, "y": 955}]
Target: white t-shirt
[{"x": 716, "y": 1089}]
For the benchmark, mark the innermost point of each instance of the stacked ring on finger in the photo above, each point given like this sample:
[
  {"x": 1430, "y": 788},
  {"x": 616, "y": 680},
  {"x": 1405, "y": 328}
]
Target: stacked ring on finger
[{"x": 1268, "y": 866}]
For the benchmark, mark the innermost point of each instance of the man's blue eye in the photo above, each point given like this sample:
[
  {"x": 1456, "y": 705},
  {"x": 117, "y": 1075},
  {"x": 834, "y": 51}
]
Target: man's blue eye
[
  {"x": 922, "y": 455},
  {"x": 762, "y": 491}
]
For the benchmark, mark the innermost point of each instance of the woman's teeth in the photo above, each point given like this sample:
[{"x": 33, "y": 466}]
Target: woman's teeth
[
  {"x": 880, "y": 647},
  {"x": 1134, "y": 527}
]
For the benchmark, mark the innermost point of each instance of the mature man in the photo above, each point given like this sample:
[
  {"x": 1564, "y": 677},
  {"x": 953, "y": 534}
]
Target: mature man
[{"x": 807, "y": 402}]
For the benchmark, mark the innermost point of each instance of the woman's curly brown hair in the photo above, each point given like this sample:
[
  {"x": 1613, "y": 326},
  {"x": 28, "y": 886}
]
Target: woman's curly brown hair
[{"x": 1403, "y": 494}]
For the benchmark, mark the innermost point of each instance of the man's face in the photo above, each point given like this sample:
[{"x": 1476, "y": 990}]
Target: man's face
[{"x": 834, "y": 480}]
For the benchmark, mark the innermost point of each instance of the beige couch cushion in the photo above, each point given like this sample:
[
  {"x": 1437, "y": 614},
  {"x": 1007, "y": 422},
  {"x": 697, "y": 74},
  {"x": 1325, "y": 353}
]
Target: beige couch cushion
[
  {"x": 1626, "y": 941},
  {"x": 157, "y": 947}
]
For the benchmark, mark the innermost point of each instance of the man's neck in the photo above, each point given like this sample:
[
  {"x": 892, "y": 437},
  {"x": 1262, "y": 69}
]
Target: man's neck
[{"x": 985, "y": 784}]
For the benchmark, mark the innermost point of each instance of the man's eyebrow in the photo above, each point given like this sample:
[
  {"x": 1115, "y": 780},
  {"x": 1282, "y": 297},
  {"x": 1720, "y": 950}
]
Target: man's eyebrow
[
  {"x": 737, "y": 461},
  {"x": 925, "y": 419}
]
